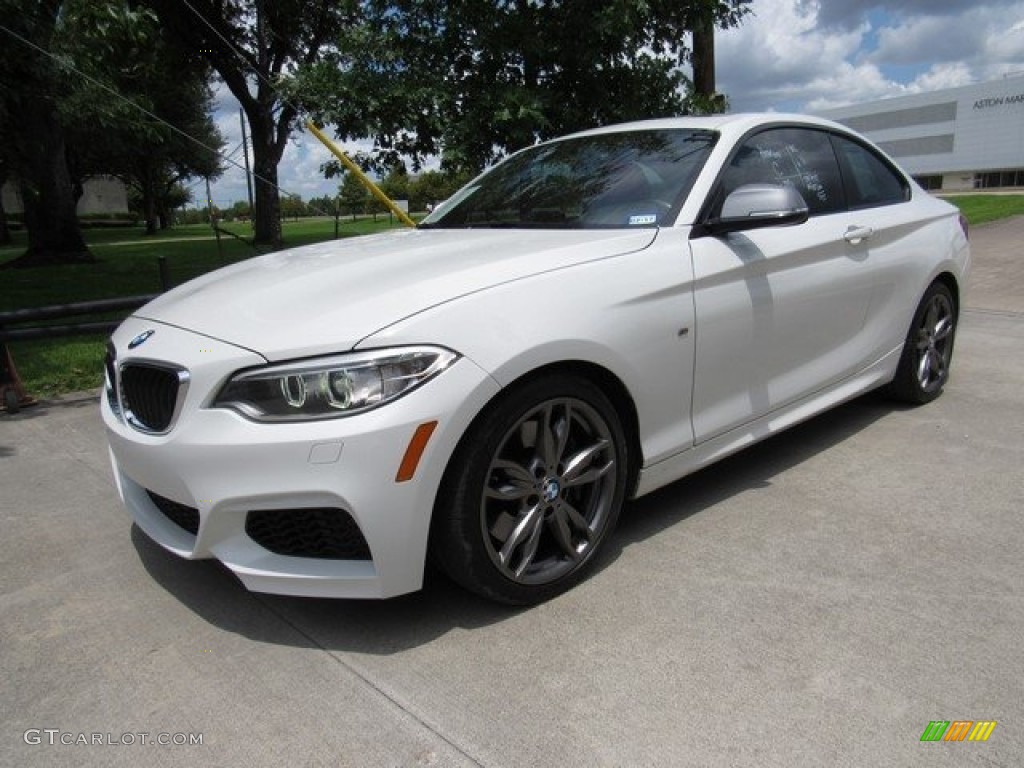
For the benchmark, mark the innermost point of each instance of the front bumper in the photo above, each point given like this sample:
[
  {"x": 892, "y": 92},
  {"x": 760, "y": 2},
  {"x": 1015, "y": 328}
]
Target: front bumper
[{"x": 224, "y": 468}]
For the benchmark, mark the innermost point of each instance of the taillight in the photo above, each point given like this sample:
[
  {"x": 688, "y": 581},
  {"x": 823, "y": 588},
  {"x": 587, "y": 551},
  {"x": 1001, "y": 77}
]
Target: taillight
[{"x": 963, "y": 224}]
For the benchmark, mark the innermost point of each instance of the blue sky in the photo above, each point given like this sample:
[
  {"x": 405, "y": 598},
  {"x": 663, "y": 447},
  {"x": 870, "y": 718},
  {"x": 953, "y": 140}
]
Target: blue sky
[
  {"x": 788, "y": 55},
  {"x": 808, "y": 55}
]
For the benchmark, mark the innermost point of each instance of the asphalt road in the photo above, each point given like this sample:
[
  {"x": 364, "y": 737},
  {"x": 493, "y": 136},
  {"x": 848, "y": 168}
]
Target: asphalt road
[{"x": 814, "y": 601}]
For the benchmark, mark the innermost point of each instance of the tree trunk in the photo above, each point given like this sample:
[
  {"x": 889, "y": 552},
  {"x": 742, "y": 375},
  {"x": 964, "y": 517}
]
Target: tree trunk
[
  {"x": 5, "y": 233},
  {"x": 54, "y": 236},
  {"x": 149, "y": 205},
  {"x": 704, "y": 57},
  {"x": 163, "y": 215},
  {"x": 267, "y": 216}
]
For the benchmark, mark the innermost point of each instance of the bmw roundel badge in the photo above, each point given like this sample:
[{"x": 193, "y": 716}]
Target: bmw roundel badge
[{"x": 140, "y": 339}]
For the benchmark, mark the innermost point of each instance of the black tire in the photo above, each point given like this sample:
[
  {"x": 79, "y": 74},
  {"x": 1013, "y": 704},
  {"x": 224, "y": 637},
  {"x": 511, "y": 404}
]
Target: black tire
[
  {"x": 928, "y": 351},
  {"x": 533, "y": 491}
]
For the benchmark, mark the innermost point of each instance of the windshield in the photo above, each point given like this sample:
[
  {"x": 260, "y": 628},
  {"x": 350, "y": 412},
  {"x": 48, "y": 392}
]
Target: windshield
[{"x": 611, "y": 180}]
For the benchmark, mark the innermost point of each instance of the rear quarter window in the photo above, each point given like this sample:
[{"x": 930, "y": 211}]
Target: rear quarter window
[{"x": 868, "y": 179}]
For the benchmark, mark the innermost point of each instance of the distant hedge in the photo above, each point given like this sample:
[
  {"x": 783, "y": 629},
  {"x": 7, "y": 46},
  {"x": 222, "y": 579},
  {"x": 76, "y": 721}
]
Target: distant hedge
[
  {"x": 98, "y": 220},
  {"x": 86, "y": 221}
]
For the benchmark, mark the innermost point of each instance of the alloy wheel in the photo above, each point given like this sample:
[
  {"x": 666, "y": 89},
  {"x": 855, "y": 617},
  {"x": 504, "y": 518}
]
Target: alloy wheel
[
  {"x": 935, "y": 343},
  {"x": 549, "y": 491}
]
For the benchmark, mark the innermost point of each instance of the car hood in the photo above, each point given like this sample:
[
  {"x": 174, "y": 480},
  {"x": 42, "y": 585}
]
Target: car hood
[{"x": 327, "y": 297}]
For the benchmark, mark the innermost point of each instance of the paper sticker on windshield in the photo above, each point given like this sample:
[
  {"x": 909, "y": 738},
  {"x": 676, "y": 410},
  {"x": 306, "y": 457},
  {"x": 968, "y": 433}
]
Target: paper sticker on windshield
[{"x": 642, "y": 219}]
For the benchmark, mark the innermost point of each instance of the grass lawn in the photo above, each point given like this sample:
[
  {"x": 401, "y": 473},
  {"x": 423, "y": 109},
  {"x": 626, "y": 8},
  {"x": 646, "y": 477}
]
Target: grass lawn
[
  {"x": 128, "y": 267},
  {"x": 981, "y": 209}
]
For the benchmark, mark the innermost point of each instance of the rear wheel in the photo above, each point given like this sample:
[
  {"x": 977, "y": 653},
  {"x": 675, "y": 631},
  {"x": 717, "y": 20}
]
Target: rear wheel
[
  {"x": 928, "y": 351},
  {"x": 533, "y": 492}
]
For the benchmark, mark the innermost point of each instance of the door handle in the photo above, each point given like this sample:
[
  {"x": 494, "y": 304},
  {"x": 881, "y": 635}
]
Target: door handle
[{"x": 855, "y": 235}]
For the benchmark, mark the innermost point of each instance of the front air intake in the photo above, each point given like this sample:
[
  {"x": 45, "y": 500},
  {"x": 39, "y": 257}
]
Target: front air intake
[
  {"x": 325, "y": 533},
  {"x": 182, "y": 515}
]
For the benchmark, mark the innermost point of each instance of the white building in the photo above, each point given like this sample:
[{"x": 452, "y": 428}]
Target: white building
[
  {"x": 100, "y": 195},
  {"x": 951, "y": 140}
]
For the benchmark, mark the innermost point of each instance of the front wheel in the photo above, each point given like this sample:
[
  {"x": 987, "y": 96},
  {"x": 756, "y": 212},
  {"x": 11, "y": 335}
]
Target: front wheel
[
  {"x": 533, "y": 491},
  {"x": 928, "y": 351}
]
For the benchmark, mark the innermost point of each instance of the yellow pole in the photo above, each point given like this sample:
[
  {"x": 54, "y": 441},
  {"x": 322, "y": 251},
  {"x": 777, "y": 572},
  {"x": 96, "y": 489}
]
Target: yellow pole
[{"x": 363, "y": 178}]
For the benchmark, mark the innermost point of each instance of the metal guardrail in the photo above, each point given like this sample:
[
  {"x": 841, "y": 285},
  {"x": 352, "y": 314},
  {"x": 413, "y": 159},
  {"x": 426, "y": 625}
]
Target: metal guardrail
[
  {"x": 13, "y": 391},
  {"x": 59, "y": 311}
]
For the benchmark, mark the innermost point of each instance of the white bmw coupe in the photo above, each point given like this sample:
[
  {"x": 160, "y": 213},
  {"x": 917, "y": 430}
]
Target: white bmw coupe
[{"x": 589, "y": 320}]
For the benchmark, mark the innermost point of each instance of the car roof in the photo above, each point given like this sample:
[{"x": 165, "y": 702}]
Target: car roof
[{"x": 738, "y": 122}]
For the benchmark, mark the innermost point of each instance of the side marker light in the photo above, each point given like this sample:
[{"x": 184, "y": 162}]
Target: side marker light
[{"x": 414, "y": 452}]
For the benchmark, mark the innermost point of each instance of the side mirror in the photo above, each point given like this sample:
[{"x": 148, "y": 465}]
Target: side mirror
[{"x": 756, "y": 206}]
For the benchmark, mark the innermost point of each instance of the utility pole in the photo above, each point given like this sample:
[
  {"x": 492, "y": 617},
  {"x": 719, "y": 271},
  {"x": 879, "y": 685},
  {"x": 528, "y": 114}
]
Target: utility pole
[
  {"x": 213, "y": 221},
  {"x": 209, "y": 203},
  {"x": 248, "y": 173}
]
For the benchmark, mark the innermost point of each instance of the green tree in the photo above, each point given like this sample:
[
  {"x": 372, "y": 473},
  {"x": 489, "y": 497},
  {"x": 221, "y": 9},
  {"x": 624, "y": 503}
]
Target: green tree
[
  {"x": 77, "y": 97},
  {"x": 240, "y": 209},
  {"x": 253, "y": 45},
  {"x": 124, "y": 50},
  {"x": 194, "y": 216},
  {"x": 433, "y": 187},
  {"x": 322, "y": 206},
  {"x": 34, "y": 147},
  {"x": 375, "y": 206},
  {"x": 292, "y": 207},
  {"x": 178, "y": 196},
  {"x": 396, "y": 183},
  {"x": 475, "y": 79},
  {"x": 352, "y": 195}
]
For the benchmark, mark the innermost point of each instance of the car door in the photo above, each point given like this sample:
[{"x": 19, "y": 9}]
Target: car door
[
  {"x": 879, "y": 195},
  {"x": 780, "y": 311}
]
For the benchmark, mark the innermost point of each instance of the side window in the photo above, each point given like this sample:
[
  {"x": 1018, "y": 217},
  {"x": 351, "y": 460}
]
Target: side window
[
  {"x": 797, "y": 157},
  {"x": 869, "y": 180}
]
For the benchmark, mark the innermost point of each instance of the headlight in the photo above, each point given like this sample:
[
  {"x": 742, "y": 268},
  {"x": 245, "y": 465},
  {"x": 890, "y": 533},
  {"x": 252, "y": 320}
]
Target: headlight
[{"x": 329, "y": 387}]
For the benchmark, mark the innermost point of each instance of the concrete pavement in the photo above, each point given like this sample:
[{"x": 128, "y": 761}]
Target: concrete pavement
[{"x": 814, "y": 601}]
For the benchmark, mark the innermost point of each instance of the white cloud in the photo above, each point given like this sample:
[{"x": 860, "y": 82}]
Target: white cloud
[
  {"x": 848, "y": 84},
  {"x": 779, "y": 59},
  {"x": 1006, "y": 46},
  {"x": 808, "y": 55},
  {"x": 944, "y": 75},
  {"x": 937, "y": 38},
  {"x": 846, "y": 13}
]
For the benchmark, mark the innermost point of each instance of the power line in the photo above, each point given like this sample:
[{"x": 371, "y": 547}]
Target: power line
[
  {"x": 116, "y": 94},
  {"x": 249, "y": 66},
  {"x": 235, "y": 151}
]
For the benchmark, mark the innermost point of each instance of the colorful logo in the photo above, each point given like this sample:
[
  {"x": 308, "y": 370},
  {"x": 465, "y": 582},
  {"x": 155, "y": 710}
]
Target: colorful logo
[
  {"x": 958, "y": 730},
  {"x": 140, "y": 339}
]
